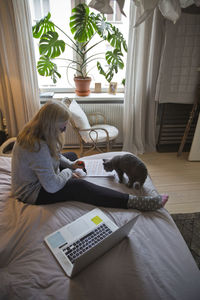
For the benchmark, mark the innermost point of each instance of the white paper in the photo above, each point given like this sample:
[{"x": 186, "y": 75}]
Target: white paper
[{"x": 95, "y": 168}]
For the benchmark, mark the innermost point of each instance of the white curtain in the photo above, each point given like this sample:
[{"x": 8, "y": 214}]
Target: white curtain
[
  {"x": 19, "y": 93},
  {"x": 143, "y": 59}
]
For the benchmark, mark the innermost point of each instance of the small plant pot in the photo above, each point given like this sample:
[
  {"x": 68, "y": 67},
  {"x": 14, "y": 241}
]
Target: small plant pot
[{"x": 82, "y": 86}]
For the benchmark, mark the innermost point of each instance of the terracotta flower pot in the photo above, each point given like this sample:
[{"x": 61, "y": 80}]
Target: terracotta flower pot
[{"x": 82, "y": 85}]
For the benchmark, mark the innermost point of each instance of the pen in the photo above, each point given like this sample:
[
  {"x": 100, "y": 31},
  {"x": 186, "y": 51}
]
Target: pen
[{"x": 81, "y": 163}]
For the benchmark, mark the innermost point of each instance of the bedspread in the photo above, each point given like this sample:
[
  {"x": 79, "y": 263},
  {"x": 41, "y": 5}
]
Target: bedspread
[{"x": 152, "y": 263}]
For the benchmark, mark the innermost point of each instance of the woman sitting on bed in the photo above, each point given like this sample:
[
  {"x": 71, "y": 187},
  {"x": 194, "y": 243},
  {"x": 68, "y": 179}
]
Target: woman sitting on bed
[{"x": 42, "y": 175}]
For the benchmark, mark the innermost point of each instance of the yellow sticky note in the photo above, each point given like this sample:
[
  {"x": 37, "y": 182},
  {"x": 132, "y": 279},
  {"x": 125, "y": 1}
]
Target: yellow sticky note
[{"x": 97, "y": 220}]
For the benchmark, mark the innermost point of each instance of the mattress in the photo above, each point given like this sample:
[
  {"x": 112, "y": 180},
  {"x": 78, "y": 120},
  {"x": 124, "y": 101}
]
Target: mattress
[{"x": 154, "y": 262}]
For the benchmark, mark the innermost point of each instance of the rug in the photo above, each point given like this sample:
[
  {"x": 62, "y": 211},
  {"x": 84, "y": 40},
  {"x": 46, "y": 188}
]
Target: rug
[{"x": 189, "y": 227}]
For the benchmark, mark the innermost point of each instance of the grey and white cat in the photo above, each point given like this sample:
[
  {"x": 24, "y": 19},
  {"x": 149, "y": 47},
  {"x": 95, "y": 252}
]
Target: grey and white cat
[{"x": 129, "y": 164}]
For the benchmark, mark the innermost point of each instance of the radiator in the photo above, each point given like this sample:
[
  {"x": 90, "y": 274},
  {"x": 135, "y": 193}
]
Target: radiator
[{"x": 114, "y": 116}]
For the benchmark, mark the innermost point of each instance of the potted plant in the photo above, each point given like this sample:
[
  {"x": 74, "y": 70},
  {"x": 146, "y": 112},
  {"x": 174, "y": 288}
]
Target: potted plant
[{"x": 84, "y": 26}]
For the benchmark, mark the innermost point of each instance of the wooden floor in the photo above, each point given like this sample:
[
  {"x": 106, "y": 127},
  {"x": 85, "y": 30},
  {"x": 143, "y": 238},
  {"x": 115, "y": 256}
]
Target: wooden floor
[{"x": 175, "y": 176}]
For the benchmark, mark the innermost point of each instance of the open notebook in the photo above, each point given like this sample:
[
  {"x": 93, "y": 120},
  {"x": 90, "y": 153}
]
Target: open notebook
[{"x": 95, "y": 168}]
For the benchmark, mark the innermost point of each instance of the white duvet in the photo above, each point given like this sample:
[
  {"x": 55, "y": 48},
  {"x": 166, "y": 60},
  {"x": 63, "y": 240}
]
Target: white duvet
[{"x": 153, "y": 263}]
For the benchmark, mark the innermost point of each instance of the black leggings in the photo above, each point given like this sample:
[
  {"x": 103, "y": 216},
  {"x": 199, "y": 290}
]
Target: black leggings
[{"x": 84, "y": 191}]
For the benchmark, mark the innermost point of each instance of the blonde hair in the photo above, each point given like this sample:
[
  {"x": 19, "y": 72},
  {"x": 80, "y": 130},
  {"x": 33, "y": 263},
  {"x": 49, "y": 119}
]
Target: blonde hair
[{"x": 45, "y": 126}]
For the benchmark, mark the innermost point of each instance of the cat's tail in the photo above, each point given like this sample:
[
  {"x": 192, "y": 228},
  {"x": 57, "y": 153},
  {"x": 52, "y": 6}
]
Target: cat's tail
[{"x": 137, "y": 185}]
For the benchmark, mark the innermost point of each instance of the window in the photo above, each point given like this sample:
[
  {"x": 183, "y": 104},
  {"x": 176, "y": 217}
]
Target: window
[
  {"x": 121, "y": 22},
  {"x": 60, "y": 14},
  {"x": 116, "y": 16},
  {"x": 40, "y": 8}
]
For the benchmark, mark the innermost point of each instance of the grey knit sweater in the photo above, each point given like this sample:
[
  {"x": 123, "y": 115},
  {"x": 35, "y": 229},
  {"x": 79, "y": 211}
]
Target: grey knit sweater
[{"x": 33, "y": 170}]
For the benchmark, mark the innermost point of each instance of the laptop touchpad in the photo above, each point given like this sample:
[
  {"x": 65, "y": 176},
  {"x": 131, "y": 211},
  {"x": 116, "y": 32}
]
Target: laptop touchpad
[{"x": 78, "y": 227}]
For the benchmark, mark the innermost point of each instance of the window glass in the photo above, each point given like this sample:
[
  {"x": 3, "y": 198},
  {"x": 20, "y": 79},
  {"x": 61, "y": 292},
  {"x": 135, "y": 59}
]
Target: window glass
[
  {"x": 121, "y": 22},
  {"x": 60, "y": 15}
]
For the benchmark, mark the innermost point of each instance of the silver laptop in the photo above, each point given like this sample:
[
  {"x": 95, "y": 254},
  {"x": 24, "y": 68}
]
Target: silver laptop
[{"x": 79, "y": 243}]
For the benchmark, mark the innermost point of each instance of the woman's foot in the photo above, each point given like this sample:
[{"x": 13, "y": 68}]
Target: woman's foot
[{"x": 147, "y": 203}]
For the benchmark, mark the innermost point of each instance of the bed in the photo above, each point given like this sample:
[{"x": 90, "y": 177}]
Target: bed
[{"x": 152, "y": 263}]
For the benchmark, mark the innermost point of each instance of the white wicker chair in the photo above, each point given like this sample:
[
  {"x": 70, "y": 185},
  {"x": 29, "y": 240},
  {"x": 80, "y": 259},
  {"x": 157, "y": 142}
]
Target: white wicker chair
[{"x": 94, "y": 134}]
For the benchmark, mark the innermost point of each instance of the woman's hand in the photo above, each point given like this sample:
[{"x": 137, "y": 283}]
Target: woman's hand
[
  {"x": 79, "y": 164},
  {"x": 75, "y": 165},
  {"x": 75, "y": 175}
]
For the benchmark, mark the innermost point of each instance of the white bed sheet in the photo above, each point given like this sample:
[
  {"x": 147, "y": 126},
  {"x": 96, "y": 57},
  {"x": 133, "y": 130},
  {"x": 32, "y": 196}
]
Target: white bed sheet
[{"x": 153, "y": 263}]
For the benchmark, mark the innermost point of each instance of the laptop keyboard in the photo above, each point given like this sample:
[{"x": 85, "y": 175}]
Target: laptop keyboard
[{"x": 87, "y": 242}]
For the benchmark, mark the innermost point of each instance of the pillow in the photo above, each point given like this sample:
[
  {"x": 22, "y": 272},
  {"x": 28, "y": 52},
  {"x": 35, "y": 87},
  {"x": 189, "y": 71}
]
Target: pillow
[{"x": 79, "y": 117}]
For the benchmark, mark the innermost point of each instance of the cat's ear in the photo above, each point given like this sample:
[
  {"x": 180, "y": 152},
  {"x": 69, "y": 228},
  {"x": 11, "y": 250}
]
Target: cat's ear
[{"x": 104, "y": 161}]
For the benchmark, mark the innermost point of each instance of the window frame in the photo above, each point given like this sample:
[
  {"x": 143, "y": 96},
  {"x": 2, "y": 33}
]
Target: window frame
[{"x": 68, "y": 89}]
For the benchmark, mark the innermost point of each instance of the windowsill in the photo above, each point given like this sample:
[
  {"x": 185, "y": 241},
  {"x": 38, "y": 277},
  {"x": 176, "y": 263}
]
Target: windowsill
[{"x": 94, "y": 97}]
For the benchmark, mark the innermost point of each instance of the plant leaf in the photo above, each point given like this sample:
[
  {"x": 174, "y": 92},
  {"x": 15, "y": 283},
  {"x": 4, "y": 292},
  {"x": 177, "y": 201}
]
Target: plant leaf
[
  {"x": 114, "y": 58},
  {"x": 43, "y": 26},
  {"x": 100, "y": 69},
  {"x": 101, "y": 26},
  {"x": 116, "y": 39},
  {"x": 54, "y": 75},
  {"x": 114, "y": 61},
  {"x": 50, "y": 45},
  {"x": 109, "y": 74},
  {"x": 47, "y": 68},
  {"x": 81, "y": 23}
]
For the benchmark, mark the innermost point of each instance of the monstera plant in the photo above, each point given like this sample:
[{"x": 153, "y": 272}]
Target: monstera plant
[{"x": 84, "y": 26}]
